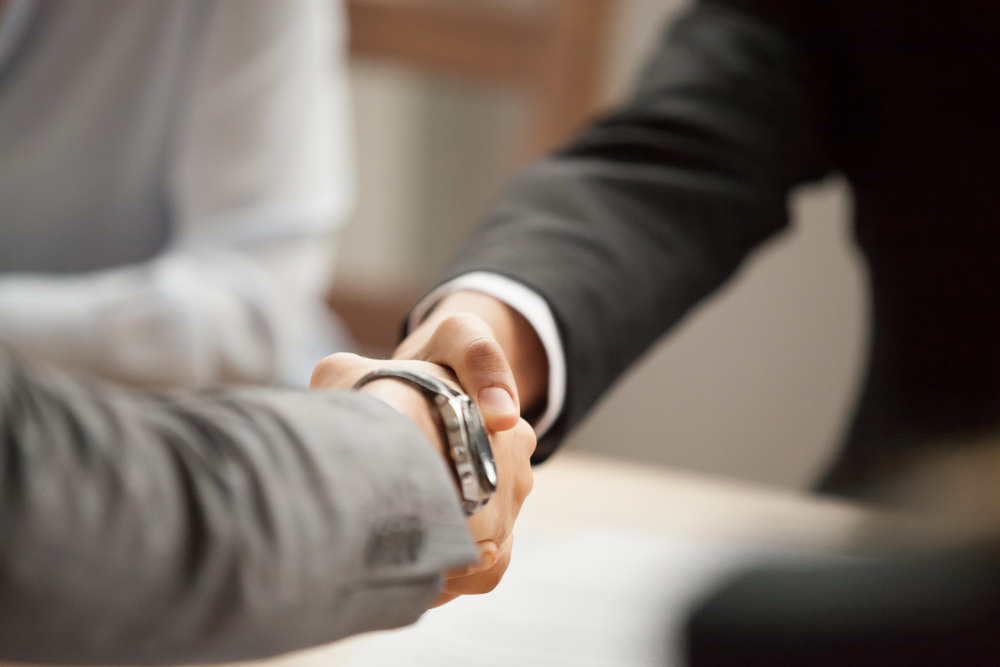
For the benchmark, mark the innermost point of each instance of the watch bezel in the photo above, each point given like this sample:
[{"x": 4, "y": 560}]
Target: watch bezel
[
  {"x": 469, "y": 449},
  {"x": 479, "y": 443}
]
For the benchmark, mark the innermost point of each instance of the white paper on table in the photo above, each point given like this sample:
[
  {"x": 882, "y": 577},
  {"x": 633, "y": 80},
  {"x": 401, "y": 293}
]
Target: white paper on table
[{"x": 605, "y": 599}]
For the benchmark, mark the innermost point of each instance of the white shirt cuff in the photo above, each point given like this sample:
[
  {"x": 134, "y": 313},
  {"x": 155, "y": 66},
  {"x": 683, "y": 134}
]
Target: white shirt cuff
[{"x": 534, "y": 309}]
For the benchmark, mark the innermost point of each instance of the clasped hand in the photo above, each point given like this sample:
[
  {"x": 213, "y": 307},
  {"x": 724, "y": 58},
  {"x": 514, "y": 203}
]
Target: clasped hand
[{"x": 512, "y": 439}]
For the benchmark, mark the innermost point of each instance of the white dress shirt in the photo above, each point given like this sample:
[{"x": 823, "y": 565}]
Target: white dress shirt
[{"x": 171, "y": 175}]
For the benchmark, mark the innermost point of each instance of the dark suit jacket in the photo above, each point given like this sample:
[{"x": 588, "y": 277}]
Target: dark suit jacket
[
  {"x": 654, "y": 206},
  {"x": 222, "y": 526}
]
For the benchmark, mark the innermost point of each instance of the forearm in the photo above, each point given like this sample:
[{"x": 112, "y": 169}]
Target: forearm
[
  {"x": 139, "y": 529},
  {"x": 184, "y": 319},
  {"x": 52, "y": 318},
  {"x": 655, "y": 206}
]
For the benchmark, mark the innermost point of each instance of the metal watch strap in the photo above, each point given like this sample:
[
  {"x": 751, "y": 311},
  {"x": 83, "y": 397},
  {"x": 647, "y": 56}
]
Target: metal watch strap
[
  {"x": 428, "y": 385},
  {"x": 458, "y": 441}
]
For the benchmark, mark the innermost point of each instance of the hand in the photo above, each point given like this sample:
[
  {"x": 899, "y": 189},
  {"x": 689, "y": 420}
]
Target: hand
[
  {"x": 491, "y": 527},
  {"x": 492, "y": 349}
]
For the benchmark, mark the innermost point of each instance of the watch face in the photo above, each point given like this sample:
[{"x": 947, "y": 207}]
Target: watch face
[{"x": 482, "y": 456}]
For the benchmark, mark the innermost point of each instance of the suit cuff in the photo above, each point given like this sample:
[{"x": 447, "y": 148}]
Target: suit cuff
[{"x": 534, "y": 309}]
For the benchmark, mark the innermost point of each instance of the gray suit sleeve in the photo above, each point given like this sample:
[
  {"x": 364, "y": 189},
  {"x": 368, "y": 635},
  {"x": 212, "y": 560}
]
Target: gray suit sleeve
[
  {"x": 146, "y": 529},
  {"x": 655, "y": 206}
]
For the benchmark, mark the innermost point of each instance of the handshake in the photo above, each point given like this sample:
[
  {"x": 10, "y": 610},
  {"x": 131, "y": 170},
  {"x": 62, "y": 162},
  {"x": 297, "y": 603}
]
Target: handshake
[
  {"x": 236, "y": 524},
  {"x": 459, "y": 344}
]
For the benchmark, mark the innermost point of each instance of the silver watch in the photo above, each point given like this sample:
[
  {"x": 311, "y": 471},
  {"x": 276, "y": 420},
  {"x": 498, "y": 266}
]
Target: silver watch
[{"x": 468, "y": 444}]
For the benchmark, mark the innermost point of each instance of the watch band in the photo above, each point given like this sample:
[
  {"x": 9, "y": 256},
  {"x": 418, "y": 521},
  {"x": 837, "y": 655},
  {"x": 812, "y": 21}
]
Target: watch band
[
  {"x": 428, "y": 385},
  {"x": 468, "y": 445}
]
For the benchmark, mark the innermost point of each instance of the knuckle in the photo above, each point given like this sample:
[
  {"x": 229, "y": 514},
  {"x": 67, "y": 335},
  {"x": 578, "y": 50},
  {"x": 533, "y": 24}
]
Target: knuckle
[
  {"x": 526, "y": 435},
  {"x": 526, "y": 485},
  {"x": 463, "y": 323},
  {"x": 339, "y": 360},
  {"x": 331, "y": 367}
]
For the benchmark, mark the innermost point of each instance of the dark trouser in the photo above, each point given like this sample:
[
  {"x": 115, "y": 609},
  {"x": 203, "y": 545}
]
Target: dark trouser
[{"x": 933, "y": 609}]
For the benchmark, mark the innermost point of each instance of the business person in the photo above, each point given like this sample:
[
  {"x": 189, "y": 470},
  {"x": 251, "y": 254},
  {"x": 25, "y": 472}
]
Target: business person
[
  {"x": 226, "y": 525},
  {"x": 172, "y": 176},
  {"x": 594, "y": 252}
]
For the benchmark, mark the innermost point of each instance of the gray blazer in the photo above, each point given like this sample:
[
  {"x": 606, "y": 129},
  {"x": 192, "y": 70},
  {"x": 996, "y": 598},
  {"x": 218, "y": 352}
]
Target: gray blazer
[{"x": 148, "y": 529}]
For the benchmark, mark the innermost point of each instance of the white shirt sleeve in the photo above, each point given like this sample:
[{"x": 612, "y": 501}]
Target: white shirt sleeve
[
  {"x": 266, "y": 147},
  {"x": 534, "y": 309},
  {"x": 259, "y": 176}
]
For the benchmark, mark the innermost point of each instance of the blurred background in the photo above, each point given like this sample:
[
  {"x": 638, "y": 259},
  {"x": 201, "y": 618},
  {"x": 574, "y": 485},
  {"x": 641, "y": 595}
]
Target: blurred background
[{"x": 450, "y": 97}]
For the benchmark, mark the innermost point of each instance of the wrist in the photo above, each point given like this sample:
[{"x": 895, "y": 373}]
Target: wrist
[
  {"x": 412, "y": 404},
  {"x": 465, "y": 443}
]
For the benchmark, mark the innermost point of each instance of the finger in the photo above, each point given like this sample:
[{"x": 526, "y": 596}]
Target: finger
[
  {"x": 512, "y": 451},
  {"x": 489, "y": 554},
  {"x": 524, "y": 436},
  {"x": 410, "y": 346},
  {"x": 466, "y": 344},
  {"x": 492, "y": 523},
  {"x": 485, "y": 581}
]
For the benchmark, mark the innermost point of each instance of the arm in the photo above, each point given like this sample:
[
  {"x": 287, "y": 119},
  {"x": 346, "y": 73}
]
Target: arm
[
  {"x": 258, "y": 175},
  {"x": 655, "y": 206},
  {"x": 190, "y": 318},
  {"x": 141, "y": 529}
]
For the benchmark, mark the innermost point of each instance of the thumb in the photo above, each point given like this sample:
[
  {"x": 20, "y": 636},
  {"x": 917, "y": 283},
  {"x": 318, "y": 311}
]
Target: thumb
[{"x": 465, "y": 344}]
